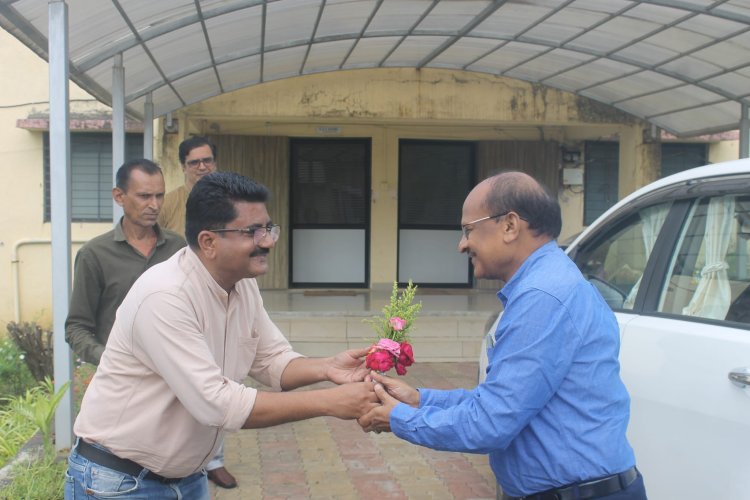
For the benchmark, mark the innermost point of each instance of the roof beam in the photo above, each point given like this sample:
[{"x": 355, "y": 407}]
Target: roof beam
[
  {"x": 146, "y": 50},
  {"x": 478, "y": 19},
  {"x": 263, "y": 21},
  {"x": 312, "y": 36},
  {"x": 709, "y": 11},
  {"x": 159, "y": 29},
  {"x": 208, "y": 43},
  {"x": 409, "y": 32},
  {"x": 361, "y": 32}
]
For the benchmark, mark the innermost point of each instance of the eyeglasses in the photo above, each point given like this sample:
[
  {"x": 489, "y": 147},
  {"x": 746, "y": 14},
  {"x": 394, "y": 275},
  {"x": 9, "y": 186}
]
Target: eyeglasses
[
  {"x": 258, "y": 233},
  {"x": 208, "y": 162},
  {"x": 466, "y": 230}
]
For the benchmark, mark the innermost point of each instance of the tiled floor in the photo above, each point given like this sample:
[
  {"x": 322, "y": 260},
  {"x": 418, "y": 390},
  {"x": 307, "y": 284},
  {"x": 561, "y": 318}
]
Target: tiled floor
[{"x": 327, "y": 458}]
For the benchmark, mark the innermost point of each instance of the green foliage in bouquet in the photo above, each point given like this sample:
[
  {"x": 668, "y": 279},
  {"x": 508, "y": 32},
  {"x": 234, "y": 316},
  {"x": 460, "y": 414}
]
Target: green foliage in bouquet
[{"x": 398, "y": 315}]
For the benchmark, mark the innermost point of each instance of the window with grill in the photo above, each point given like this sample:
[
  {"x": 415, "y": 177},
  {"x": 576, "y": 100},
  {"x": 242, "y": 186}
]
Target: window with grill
[
  {"x": 91, "y": 174},
  {"x": 329, "y": 183}
]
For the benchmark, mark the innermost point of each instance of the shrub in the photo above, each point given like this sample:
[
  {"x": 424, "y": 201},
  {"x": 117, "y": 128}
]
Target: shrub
[
  {"x": 36, "y": 344},
  {"x": 15, "y": 377}
]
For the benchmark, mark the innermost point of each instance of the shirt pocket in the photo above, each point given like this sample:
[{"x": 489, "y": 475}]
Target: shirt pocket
[{"x": 248, "y": 347}]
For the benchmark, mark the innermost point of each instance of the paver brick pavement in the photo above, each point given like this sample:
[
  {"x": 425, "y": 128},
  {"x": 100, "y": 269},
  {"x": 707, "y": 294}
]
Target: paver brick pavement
[{"x": 328, "y": 458}]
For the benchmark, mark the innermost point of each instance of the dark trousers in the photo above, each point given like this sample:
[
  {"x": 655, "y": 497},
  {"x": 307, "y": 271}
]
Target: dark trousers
[{"x": 635, "y": 491}]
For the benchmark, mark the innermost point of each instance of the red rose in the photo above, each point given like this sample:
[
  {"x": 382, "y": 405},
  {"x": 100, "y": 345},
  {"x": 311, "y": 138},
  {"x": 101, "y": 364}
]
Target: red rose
[
  {"x": 406, "y": 357},
  {"x": 400, "y": 369},
  {"x": 380, "y": 361}
]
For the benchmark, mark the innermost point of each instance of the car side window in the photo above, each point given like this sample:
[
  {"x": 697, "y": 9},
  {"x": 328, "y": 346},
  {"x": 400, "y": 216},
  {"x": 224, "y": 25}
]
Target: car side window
[
  {"x": 710, "y": 273},
  {"x": 614, "y": 263}
]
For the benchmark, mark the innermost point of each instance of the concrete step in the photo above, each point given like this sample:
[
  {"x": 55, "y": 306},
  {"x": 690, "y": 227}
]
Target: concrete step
[{"x": 437, "y": 336}]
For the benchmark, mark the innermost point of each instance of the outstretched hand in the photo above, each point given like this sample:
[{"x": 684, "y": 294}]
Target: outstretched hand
[
  {"x": 390, "y": 392},
  {"x": 354, "y": 400},
  {"x": 347, "y": 366},
  {"x": 397, "y": 388},
  {"x": 379, "y": 418}
]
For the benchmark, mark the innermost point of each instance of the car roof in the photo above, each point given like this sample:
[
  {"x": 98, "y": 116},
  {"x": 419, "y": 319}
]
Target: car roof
[{"x": 712, "y": 171}]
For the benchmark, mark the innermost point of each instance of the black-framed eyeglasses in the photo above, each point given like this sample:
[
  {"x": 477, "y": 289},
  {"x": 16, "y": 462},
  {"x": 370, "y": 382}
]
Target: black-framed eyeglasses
[
  {"x": 207, "y": 161},
  {"x": 258, "y": 233},
  {"x": 467, "y": 228}
]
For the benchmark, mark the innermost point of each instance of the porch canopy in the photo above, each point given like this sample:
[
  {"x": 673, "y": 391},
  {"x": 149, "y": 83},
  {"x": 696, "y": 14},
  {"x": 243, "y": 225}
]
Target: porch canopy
[{"x": 682, "y": 65}]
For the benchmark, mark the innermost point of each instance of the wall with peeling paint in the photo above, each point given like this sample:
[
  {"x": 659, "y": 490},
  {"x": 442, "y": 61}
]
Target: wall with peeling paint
[{"x": 387, "y": 105}]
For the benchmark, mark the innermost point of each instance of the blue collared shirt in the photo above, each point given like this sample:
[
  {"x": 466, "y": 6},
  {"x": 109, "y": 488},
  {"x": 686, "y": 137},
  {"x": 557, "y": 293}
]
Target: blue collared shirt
[{"x": 553, "y": 409}]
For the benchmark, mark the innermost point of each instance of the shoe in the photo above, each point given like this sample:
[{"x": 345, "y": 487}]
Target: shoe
[{"x": 222, "y": 478}]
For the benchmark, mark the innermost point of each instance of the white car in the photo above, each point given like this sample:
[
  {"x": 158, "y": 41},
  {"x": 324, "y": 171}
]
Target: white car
[{"x": 672, "y": 260}]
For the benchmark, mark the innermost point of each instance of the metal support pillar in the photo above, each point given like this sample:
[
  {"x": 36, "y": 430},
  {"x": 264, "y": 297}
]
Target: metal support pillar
[
  {"x": 148, "y": 128},
  {"x": 744, "y": 132},
  {"x": 60, "y": 188},
  {"x": 118, "y": 126}
]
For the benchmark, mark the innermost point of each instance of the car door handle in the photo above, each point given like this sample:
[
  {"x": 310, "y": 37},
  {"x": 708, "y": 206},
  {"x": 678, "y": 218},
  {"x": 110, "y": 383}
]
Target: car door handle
[{"x": 740, "y": 377}]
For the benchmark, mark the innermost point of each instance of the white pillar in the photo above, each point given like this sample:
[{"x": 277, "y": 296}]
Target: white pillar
[
  {"x": 118, "y": 125},
  {"x": 60, "y": 188},
  {"x": 148, "y": 128}
]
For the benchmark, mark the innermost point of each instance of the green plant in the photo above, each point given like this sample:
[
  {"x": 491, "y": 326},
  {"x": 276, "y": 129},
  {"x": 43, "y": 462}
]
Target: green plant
[
  {"x": 15, "y": 377},
  {"x": 41, "y": 479},
  {"x": 39, "y": 408},
  {"x": 398, "y": 315},
  {"x": 15, "y": 430},
  {"x": 26, "y": 414}
]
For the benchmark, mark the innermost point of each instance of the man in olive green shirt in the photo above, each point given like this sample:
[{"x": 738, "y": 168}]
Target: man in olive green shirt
[{"x": 108, "y": 265}]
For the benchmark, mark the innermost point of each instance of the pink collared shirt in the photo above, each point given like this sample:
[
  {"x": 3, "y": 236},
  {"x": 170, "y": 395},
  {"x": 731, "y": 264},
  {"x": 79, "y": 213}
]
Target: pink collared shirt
[{"x": 170, "y": 378}]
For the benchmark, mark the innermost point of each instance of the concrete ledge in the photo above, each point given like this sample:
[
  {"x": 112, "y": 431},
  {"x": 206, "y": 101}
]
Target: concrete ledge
[
  {"x": 29, "y": 452},
  {"x": 438, "y": 336}
]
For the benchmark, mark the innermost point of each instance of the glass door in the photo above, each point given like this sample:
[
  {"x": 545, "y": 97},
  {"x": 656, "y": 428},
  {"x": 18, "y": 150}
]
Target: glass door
[
  {"x": 434, "y": 179},
  {"x": 330, "y": 206}
]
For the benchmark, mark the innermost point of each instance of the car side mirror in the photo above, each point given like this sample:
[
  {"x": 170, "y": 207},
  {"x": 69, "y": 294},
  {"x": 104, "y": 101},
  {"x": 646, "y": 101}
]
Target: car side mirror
[{"x": 613, "y": 296}]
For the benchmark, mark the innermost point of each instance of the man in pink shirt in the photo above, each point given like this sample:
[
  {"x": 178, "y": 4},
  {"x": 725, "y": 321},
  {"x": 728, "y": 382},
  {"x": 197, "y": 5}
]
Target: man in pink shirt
[{"x": 187, "y": 334}]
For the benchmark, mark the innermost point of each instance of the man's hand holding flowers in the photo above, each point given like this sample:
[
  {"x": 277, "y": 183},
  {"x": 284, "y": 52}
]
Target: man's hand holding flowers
[
  {"x": 347, "y": 366},
  {"x": 390, "y": 391}
]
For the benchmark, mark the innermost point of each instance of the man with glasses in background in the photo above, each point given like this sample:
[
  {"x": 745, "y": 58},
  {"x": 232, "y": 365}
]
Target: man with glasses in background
[
  {"x": 198, "y": 159},
  {"x": 188, "y": 333}
]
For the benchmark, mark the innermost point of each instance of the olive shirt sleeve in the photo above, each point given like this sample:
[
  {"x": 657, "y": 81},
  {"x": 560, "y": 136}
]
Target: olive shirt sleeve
[{"x": 80, "y": 326}]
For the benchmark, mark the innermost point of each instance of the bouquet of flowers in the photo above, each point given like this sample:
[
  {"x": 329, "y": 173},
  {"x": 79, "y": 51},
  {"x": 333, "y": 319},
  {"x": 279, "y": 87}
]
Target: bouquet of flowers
[{"x": 393, "y": 348}]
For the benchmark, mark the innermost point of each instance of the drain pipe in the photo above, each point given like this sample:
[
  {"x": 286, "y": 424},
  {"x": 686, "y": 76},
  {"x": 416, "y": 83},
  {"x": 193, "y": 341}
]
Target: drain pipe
[{"x": 15, "y": 264}]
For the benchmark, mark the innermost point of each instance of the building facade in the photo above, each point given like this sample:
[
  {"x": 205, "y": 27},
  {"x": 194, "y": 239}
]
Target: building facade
[{"x": 369, "y": 167}]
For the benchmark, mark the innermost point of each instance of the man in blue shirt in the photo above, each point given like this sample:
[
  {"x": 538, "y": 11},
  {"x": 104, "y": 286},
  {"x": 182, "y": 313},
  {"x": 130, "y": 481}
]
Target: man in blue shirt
[{"x": 552, "y": 412}]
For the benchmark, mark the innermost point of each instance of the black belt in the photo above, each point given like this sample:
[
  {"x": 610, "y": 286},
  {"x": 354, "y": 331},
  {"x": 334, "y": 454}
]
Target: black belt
[
  {"x": 588, "y": 489},
  {"x": 107, "y": 459}
]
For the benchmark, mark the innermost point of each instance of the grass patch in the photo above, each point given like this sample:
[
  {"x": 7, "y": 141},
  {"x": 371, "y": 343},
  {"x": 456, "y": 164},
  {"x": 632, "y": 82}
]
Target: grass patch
[{"x": 42, "y": 479}]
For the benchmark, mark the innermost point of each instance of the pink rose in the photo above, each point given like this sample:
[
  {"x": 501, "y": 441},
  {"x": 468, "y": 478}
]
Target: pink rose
[
  {"x": 380, "y": 361},
  {"x": 389, "y": 345},
  {"x": 397, "y": 323},
  {"x": 406, "y": 357}
]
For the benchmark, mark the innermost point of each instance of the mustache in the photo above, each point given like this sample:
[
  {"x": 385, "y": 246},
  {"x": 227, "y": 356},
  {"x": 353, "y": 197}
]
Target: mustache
[{"x": 259, "y": 252}]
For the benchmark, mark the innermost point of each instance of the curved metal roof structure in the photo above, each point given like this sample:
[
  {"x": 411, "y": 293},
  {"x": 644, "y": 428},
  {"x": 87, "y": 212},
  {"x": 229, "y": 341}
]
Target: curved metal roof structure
[{"x": 683, "y": 65}]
